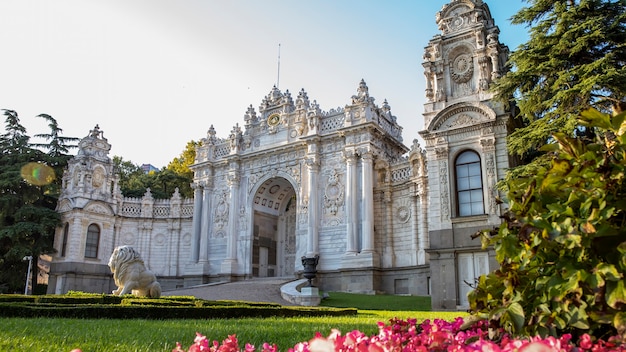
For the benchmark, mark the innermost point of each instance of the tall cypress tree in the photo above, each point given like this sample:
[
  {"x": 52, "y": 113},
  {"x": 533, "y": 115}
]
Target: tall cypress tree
[
  {"x": 575, "y": 59},
  {"x": 29, "y": 184}
]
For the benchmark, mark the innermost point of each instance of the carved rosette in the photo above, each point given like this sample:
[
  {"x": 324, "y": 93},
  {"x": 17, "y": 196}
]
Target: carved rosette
[
  {"x": 462, "y": 68},
  {"x": 403, "y": 213},
  {"x": 159, "y": 240},
  {"x": 128, "y": 238}
]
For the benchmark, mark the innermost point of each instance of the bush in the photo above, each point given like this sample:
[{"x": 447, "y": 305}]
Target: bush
[
  {"x": 562, "y": 245},
  {"x": 81, "y": 305}
]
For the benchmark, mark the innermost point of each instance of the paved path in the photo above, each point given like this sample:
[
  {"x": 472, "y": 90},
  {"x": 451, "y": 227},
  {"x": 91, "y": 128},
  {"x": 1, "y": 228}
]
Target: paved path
[{"x": 255, "y": 290}]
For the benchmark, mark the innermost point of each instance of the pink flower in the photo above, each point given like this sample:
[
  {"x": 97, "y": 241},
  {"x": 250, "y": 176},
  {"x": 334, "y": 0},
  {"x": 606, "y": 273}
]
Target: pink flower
[
  {"x": 320, "y": 344},
  {"x": 538, "y": 347},
  {"x": 585, "y": 342},
  {"x": 405, "y": 336},
  {"x": 269, "y": 348}
]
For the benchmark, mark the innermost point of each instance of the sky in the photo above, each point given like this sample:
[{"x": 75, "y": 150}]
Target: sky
[{"x": 156, "y": 74}]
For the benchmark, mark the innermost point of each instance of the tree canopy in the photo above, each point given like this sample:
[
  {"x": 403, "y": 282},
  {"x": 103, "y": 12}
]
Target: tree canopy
[
  {"x": 574, "y": 60},
  {"x": 134, "y": 181},
  {"x": 30, "y": 177}
]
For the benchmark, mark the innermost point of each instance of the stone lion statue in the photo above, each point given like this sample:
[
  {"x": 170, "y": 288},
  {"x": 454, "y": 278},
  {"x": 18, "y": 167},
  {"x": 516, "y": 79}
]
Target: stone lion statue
[{"x": 130, "y": 274}]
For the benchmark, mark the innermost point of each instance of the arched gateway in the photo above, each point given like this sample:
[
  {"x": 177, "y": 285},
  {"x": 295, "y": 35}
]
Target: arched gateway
[
  {"x": 297, "y": 181},
  {"x": 273, "y": 205}
]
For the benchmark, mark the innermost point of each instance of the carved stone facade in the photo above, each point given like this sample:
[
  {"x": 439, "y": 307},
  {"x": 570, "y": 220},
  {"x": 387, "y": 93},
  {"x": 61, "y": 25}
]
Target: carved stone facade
[
  {"x": 461, "y": 120},
  {"x": 296, "y": 181}
]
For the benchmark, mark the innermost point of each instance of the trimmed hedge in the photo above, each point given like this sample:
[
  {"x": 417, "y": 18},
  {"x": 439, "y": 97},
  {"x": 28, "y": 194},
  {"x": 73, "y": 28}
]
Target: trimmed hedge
[{"x": 130, "y": 307}]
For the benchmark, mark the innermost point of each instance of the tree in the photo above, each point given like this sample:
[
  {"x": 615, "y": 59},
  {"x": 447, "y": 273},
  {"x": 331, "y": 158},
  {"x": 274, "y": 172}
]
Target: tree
[
  {"x": 128, "y": 172},
  {"x": 562, "y": 248},
  {"x": 57, "y": 155},
  {"x": 180, "y": 166},
  {"x": 28, "y": 195},
  {"x": 575, "y": 59},
  {"x": 134, "y": 181}
]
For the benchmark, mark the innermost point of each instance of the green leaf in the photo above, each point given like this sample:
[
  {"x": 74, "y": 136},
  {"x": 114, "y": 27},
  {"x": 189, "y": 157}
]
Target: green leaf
[
  {"x": 619, "y": 322},
  {"x": 592, "y": 117},
  {"x": 516, "y": 314},
  {"x": 615, "y": 294},
  {"x": 579, "y": 319},
  {"x": 609, "y": 272},
  {"x": 619, "y": 123}
]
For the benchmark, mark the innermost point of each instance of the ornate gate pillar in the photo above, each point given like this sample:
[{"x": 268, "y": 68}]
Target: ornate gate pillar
[
  {"x": 313, "y": 230},
  {"x": 197, "y": 220},
  {"x": 229, "y": 265},
  {"x": 367, "y": 219},
  {"x": 351, "y": 203}
]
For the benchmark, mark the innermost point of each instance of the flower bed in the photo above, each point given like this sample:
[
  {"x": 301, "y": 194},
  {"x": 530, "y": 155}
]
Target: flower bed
[{"x": 437, "y": 335}]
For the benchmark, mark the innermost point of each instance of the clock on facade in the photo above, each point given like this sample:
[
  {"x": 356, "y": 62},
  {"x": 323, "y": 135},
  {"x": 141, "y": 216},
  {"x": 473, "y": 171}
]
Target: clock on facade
[{"x": 273, "y": 120}]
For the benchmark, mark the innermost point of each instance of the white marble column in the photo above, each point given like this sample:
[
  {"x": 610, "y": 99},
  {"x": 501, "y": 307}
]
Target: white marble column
[
  {"x": 197, "y": 222},
  {"x": 233, "y": 183},
  {"x": 351, "y": 202},
  {"x": 205, "y": 224},
  {"x": 419, "y": 195},
  {"x": 367, "y": 196},
  {"x": 415, "y": 223},
  {"x": 313, "y": 230},
  {"x": 389, "y": 257},
  {"x": 74, "y": 241}
]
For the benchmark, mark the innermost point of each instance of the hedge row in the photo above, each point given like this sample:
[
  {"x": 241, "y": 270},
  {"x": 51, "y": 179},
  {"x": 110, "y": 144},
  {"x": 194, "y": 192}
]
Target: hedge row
[{"x": 129, "y": 307}]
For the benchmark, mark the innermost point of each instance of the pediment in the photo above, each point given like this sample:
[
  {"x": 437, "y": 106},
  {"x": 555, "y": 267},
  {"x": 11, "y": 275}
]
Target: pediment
[
  {"x": 460, "y": 116},
  {"x": 98, "y": 208},
  {"x": 64, "y": 206}
]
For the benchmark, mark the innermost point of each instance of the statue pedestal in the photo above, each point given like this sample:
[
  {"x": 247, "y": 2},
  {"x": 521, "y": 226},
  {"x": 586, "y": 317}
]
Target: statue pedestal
[{"x": 310, "y": 296}]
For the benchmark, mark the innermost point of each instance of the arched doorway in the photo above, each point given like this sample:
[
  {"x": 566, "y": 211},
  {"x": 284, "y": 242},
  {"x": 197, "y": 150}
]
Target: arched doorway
[{"x": 274, "y": 226}]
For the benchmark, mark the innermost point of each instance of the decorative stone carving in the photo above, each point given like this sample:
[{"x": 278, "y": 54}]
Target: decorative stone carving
[
  {"x": 441, "y": 152},
  {"x": 97, "y": 179},
  {"x": 97, "y": 209},
  {"x": 303, "y": 210},
  {"x": 333, "y": 195},
  {"x": 130, "y": 274},
  {"x": 221, "y": 210},
  {"x": 462, "y": 68},
  {"x": 362, "y": 95},
  {"x": 160, "y": 240},
  {"x": 462, "y": 120},
  {"x": 128, "y": 238},
  {"x": 403, "y": 213},
  {"x": 488, "y": 144},
  {"x": 443, "y": 191}
]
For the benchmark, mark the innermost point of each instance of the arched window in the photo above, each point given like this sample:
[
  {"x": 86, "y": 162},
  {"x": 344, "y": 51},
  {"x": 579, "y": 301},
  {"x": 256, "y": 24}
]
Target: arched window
[
  {"x": 66, "y": 231},
  {"x": 93, "y": 239},
  {"x": 469, "y": 184}
]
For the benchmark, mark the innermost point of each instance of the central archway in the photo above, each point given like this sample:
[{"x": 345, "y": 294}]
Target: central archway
[{"x": 274, "y": 227}]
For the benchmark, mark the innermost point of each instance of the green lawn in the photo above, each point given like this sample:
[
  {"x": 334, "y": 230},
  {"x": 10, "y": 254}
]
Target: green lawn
[
  {"x": 377, "y": 302},
  {"x": 55, "y": 334}
]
